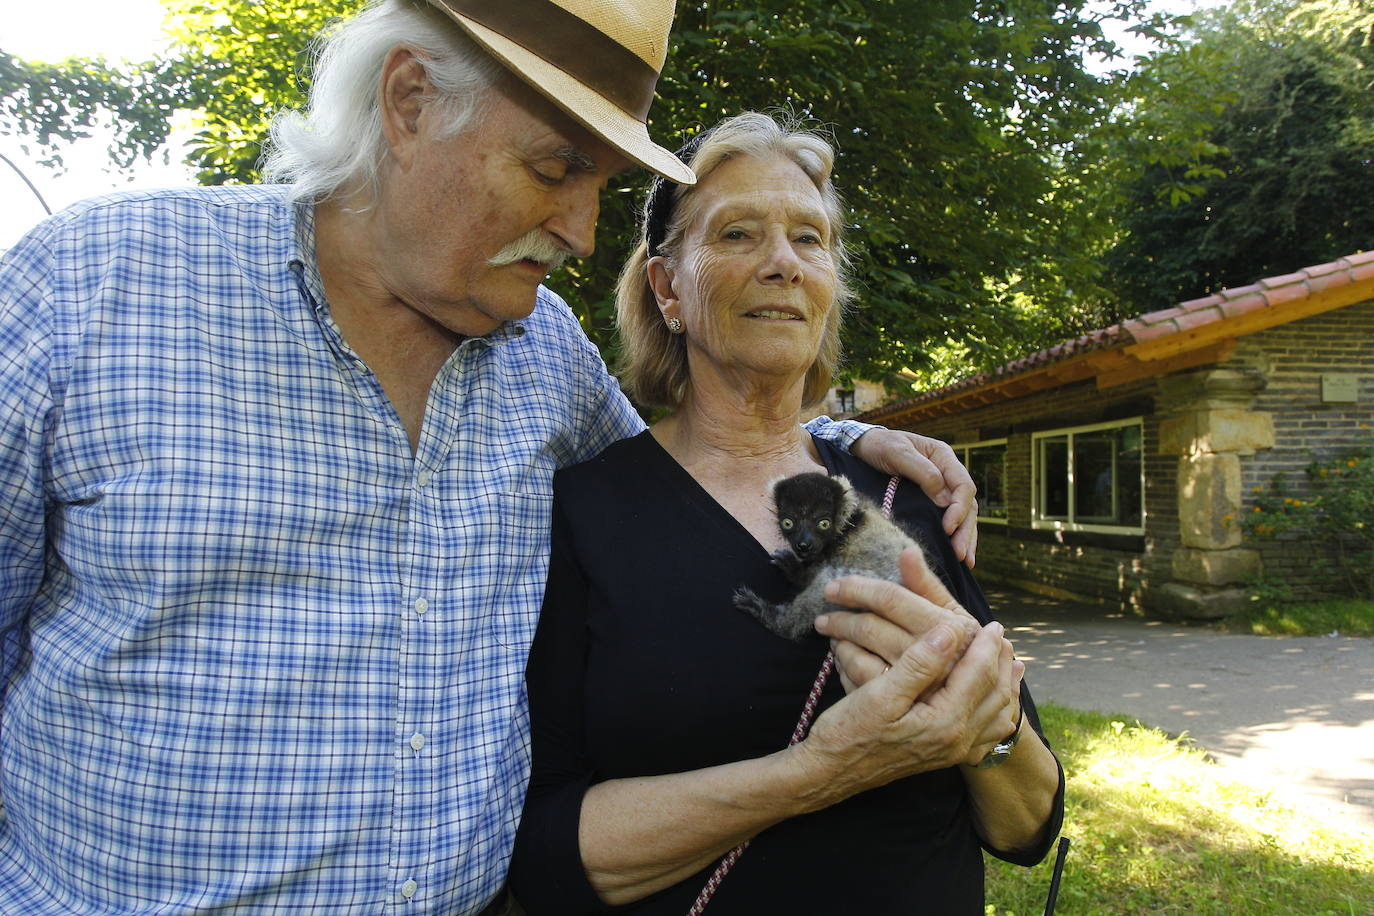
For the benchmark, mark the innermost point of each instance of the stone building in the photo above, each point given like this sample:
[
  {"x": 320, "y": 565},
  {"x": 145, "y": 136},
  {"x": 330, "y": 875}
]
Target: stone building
[{"x": 1112, "y": 467}]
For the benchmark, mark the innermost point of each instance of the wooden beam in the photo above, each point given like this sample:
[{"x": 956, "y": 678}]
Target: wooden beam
[{"x": 1218, "y": 352}]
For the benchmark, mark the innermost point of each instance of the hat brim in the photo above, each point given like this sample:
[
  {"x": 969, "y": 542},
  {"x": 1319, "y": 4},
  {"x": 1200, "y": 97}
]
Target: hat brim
[{"x": 605, "y": 119}]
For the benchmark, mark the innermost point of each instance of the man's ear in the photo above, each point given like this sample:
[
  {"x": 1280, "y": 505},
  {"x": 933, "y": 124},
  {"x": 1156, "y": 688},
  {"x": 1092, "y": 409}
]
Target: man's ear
[
  {"x": 404, "y": 91},
  {"x": 661, "y": 282}
]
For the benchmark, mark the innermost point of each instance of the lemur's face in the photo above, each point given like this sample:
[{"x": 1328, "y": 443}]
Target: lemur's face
[{"x": 809, "y": 508}]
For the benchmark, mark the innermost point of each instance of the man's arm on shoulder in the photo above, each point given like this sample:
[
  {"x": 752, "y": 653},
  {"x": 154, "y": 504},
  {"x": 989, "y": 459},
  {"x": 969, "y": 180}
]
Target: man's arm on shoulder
[{"x": 928, "y": 462}]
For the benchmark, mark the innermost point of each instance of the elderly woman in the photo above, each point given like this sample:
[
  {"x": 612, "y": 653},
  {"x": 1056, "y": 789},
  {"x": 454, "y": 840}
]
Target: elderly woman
[{"x": 660, "y": 713}]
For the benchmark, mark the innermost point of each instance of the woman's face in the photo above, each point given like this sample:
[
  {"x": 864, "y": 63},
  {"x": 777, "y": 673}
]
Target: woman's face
[{"x": 755, "y": 280}]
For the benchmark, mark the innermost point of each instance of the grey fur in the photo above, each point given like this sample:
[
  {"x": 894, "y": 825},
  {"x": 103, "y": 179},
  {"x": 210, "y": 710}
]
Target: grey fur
[{"x": 858, "y": 541}]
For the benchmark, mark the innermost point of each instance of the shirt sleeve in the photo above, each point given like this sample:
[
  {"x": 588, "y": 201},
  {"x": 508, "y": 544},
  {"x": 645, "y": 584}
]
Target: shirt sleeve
[
  {"x": 26, "y": 400},
  {"x": 842, "y": 433},
  {"x": 603, "y": 414},
  {"x": 546, "y": 872}
]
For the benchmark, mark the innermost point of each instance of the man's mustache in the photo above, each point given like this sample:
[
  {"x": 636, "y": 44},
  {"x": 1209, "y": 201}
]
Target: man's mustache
[{"x": 534, "y": 245}]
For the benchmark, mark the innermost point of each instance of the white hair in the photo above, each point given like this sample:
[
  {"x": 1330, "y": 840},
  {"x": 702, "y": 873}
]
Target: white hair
[{"x": 337, "y": 143}]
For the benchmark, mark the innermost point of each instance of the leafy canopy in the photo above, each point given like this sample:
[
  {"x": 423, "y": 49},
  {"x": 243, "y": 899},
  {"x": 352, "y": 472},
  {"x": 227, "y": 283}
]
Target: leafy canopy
[
  {"x": 970, "y": 136},
  {"x": 1257, "y": 136}
]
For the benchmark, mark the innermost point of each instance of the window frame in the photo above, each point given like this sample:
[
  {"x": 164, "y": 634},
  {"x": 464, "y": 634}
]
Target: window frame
[
  {"x": 1038, "y": 481},
  {"x": 962, "y": 450}
]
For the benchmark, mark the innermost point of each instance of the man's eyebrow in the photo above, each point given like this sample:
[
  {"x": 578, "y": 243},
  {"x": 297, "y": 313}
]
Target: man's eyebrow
[{"x": 575, "y": 158}]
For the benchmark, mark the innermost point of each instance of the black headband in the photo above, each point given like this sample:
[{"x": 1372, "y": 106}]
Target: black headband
[{"x": 658, "y": 207}]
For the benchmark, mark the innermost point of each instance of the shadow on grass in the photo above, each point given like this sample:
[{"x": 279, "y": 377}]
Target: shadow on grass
[{"x": 1157, "y": 829}]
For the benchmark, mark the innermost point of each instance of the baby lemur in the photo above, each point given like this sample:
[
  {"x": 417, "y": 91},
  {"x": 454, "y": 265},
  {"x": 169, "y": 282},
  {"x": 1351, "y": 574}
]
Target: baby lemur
[{"x": 831, "y": 531}]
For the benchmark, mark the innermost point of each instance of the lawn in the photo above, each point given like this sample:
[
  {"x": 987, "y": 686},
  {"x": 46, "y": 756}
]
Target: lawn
[
  {"x": 1155, "y": 828},
  {"x": 1339, "y": 616}
]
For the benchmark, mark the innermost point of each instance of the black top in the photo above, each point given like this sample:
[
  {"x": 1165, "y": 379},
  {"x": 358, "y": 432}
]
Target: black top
[{"x": 642, "y": 666}]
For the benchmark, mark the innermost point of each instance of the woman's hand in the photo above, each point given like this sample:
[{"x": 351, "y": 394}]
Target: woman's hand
[
  {"x": 866, "y": 645},
  {"x": 932, "y": 465},
  {"x": 902, "y": 723}
]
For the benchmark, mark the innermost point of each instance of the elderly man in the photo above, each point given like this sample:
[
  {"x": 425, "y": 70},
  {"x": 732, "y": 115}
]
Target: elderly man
[{"x": 277, "y": 468}]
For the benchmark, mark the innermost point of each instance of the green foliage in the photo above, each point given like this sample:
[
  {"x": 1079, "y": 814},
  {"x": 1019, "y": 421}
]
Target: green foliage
[
  {"x": 968, "y": 130},
  {"x": 1274, "y": 613},
  {"x": 59, "y": 103},
  {"x": 1156, "y": 827},
  {"x": 1251, "y": 140},
  {"x": 1335, "y": 510}
]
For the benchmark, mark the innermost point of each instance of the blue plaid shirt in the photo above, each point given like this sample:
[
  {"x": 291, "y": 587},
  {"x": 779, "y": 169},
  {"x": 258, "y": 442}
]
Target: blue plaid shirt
[{"x": 258, "y": 657}]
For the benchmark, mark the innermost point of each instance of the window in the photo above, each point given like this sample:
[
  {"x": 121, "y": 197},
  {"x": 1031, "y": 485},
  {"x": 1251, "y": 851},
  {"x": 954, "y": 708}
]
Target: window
[
  {"x": 987, "y": 465},
  {"x": 845, "y": 398},
  {"x": 1090, "y": 478}
]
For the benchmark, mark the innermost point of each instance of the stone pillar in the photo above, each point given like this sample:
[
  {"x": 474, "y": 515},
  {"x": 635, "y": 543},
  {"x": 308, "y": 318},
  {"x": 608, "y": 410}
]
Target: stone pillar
[{"x": 1209, "y": 427}]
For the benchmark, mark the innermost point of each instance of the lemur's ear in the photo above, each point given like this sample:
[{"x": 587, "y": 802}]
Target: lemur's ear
[{"x": 849, "y": 502}]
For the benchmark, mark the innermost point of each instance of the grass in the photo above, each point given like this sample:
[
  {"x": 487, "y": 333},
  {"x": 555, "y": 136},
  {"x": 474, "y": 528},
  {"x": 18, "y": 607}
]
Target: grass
[
  {"x": 1156, "y": 828},
  {"x": 1341, "y": 616}
]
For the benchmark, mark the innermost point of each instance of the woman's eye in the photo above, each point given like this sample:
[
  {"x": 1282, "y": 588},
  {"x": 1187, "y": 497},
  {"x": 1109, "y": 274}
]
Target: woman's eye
[
  {"x": 734, "y": 235},
  {"x": 809, "y": 238}
]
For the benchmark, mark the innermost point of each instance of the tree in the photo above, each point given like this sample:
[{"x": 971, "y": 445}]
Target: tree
[
  {"x": 967, "y": 132},
  {"x": 1282, "y": 91}
]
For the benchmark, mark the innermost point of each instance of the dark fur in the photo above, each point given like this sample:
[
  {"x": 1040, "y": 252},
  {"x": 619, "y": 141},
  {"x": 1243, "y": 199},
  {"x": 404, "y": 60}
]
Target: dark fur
[{"x": 833, "y": 532}]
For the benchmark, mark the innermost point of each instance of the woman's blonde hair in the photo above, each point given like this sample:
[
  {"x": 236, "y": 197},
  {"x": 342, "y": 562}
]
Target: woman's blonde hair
[{"x": 654, "y": 360}]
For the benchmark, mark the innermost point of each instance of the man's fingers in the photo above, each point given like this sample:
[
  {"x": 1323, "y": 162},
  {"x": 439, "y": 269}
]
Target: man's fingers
[{"x": 964, "y": 532}]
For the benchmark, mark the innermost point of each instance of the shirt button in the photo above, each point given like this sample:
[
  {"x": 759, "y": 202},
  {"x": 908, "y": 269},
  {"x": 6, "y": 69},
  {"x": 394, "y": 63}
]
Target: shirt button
[
  {"x": 421, "y": 605},
  {"x": 422, "y": 479},
  {"x": 409, "y": 888},
  {"x": 417, "y": 741}
]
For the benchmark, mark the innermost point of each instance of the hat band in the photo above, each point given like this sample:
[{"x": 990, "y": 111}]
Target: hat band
[{"x": 573, "y": 45}]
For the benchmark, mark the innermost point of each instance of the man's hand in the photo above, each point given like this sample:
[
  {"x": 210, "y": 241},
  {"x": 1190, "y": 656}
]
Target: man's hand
[
  {"x": 933, "y": 465},
  {"x": 867, "y": 644}
]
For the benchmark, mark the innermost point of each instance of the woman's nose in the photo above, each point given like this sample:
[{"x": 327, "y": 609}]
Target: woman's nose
[{"x": 780, "y": 263}]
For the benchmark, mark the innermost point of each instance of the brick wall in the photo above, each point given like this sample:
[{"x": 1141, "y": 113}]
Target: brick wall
[{"x": 1294, "y": 357}]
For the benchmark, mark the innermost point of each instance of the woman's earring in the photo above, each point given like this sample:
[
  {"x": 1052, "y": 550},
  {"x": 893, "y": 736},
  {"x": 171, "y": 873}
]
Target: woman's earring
[{"x": 675, "y": 325}]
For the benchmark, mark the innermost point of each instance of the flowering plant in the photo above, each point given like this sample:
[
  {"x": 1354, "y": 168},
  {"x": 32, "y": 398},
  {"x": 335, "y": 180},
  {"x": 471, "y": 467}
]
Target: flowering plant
[{"x": 1335, "y": 508}]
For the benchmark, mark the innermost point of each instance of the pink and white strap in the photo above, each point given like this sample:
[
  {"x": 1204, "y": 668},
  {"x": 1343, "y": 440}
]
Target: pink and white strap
[{"x": 708, "y": 890}]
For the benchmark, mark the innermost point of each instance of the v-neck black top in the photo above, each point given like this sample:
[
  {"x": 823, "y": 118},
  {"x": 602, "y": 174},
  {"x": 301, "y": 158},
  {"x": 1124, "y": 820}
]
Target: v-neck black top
[{"x": 642, "y": 666}]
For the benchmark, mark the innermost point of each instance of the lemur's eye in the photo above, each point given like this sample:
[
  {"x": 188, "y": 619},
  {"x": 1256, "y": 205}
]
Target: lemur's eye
[
  {"x": 786, "y": 524},
  {"x": 823, "y": 524}
]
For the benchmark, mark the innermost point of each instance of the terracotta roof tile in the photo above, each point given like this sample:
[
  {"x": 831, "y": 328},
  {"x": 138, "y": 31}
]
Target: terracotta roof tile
[
  {"x": 1290, "y": 293},
  {"x": 1362, "y": 270},
  {"x": 1244, "y": 305},
  {"x": 1161, "y": 315},
  {"x": 1199, "y": 318},
  {"x": 1142, "y": 332},
  {"x": 1319, "y": 270},
  {"x": 1329, "y": 281},
  {"x": 1283, "y": 280},
  {"x": 1195, "y": 304},
  {"x": 1362, "y": 257},
  {"x": 1239, "y": 292}
]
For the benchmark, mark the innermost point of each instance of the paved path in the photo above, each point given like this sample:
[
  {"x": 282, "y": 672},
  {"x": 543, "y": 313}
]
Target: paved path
[{"x": 1293, "y": 713}]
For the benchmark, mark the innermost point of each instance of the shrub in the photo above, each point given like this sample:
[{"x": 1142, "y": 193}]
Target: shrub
[{"x": 1335, "y": 509}]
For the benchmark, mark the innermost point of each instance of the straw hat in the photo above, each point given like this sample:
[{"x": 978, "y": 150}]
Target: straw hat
[{"x": 598, "y": 60}]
